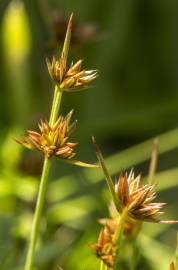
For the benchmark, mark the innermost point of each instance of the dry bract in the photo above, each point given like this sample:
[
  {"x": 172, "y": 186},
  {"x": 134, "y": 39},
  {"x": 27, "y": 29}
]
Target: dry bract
[{"x": 52, "y": 140}]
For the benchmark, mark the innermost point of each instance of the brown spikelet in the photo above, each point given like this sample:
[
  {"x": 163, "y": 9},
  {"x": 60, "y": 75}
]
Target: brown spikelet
[
  {"x": 52, "y": 140},
  {"x": 74, "y": 78},
  {"x": 172, "y": 266},
  {"x": 139, "y": 200},
  {"x": 105, "y": 248}
]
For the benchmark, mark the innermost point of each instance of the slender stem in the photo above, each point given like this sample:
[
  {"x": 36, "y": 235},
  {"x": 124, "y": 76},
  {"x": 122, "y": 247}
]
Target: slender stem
[
  {"x": 103, "y": 266},
  {"x": 117, "y": 239},
  {"x": 37, "y": 215},
  {"x": 42, "y": 187},
  {"x": 55, "y": 105},
  {"x": 153, "y": 162},
  {"x": 118, "y": 235}
]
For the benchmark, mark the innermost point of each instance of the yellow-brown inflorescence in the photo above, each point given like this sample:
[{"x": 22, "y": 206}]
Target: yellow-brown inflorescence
[
  {"x": 74, "y": 78},
  {"x": 172, "y": 266},
  {"x": 52, "y": 140},
  {"x": 139, "y": 200},
  {"x": 105, "y": 249}
]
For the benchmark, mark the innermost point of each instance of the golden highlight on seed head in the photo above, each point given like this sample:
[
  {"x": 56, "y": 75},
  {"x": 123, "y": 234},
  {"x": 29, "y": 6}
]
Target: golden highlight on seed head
[
  {"x": 105, "y": 248},
  {"x": 52, "y": 140},
  {"x": 172, "y": 266}
]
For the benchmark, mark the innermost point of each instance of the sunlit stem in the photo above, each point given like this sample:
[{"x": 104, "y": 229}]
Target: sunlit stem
[
  {"x": 55, "y": 106},
  {"x": 103, "y": 266},
  {"x": 42, "y": 187},
  {"x": 117, "y": 239},
  {"x": 37, "y": 215},
  {"x": 47, "y": 161}
]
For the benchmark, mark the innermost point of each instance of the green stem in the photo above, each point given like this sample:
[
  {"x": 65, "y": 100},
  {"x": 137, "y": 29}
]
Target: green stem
[
  {"x": 37, "y": 215},
  {"x": 103, "y": 266},
  {"x": 42, "y": 187},
  {"x": 55, "y": 105},
  {"x": 117, "y": 239}
]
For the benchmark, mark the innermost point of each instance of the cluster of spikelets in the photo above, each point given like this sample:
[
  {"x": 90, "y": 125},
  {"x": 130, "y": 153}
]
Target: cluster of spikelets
[
  {"x": 128, "y": 196},
  {"x": 52, "y": 140},
  {"x": 74, "y": 78},
  {"x": 138, "y": 199},
  {"x": 136, "y": 203}
]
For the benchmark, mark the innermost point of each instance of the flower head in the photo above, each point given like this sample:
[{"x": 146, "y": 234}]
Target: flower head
[
  {"x": 172, "y": 266},
  {"x": 71, "y": 79},
  {"x": 105, "y": 248},
  {"x": 138, "y": 200},
  {"x": 52, "y": 140}
]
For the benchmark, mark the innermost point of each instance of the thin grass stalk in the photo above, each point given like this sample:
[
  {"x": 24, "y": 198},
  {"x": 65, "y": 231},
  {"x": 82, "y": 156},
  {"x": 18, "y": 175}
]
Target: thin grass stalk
[
  {"x": 47, "y": 163},
  {"x": 153, "y": 162},
  {"x": 42, "y": 187},
  {"x": 117, "y": 239},
  {"x": 103, "y": 266}
]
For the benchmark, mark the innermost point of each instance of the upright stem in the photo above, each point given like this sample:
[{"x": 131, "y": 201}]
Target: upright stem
[
  {"x": 37, "y": 215},
  {"x": 117, "y": 240},
  {"x": 55, "y": 105},
  {"x": 42, "y": 187},
  {"x": 103, "y": 266}
]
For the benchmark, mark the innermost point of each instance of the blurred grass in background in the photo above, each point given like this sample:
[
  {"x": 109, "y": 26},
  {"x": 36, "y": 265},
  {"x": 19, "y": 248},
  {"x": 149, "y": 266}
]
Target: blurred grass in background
[{"x": 134, "y": 46}]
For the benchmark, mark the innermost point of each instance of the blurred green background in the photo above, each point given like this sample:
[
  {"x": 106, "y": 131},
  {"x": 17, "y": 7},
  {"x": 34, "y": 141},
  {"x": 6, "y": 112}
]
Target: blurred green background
[{"x": 134, "y": 46}]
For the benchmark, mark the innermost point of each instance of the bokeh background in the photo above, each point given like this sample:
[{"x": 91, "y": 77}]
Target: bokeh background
[{"x": 134, "y": 46}]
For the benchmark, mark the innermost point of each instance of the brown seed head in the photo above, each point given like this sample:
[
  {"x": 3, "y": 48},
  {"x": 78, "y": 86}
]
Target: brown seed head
[
  {"x": 172, "y": 266},
  {"x": 52, "y": 140},
  {"x": 105, "y": 248},
  {"x": 74, "y": 78},
  {"x": 138, "y": 200}
]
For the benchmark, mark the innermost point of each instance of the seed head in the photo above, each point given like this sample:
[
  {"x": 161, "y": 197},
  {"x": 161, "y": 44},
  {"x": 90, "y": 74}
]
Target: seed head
[
  {"x": 139, "y": 200},
  {"x": 105, "y": 248},
  {"x": 172, "y": 266},
  {"x": 52, "y": 140},
  {"x": 74, "y": 78}
]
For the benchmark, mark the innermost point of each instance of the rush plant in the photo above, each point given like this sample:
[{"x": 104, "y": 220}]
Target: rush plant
[
  {"x": 132, "y": 203},
  {"x": 53, "y": 138}
]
